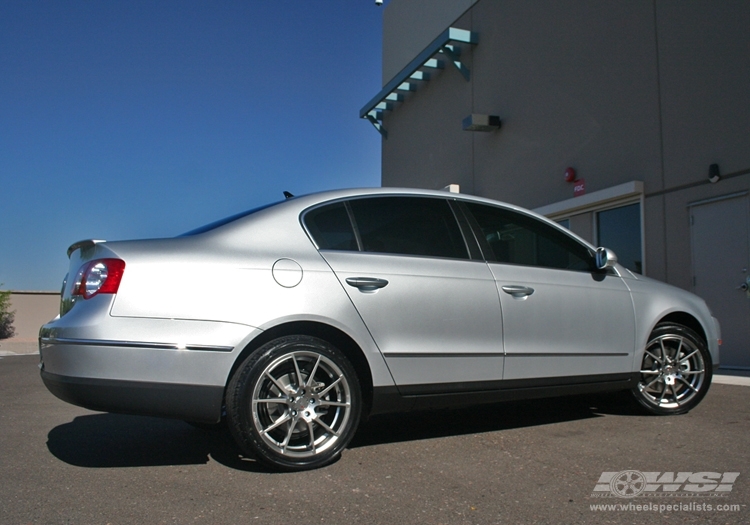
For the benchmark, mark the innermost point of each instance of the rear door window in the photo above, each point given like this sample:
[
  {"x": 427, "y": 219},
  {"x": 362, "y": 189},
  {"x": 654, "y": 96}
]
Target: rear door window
[{"x": 408, "y": 226}]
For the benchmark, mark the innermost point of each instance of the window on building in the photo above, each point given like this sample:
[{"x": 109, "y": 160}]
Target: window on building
[{"x": 619, "y": 229}]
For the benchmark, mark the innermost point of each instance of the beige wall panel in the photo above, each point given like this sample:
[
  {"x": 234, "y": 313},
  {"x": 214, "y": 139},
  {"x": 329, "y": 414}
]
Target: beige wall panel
[
  {"x": 704, "y": 52},
  {"x": 410, "y": 25},
  {"x": 32, "y": 311},
  {"x": 575, "y": 84}
]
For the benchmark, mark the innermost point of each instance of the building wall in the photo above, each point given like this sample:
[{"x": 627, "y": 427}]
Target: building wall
[
  {"x": 33, "y": 309},
  {"x": 408, "y": 27},
  {"x": 645, "y": 90}
]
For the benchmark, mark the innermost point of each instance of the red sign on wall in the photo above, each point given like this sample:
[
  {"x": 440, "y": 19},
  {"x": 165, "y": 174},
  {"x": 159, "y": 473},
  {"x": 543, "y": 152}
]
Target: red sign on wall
[{"x": 579, "y": 187}]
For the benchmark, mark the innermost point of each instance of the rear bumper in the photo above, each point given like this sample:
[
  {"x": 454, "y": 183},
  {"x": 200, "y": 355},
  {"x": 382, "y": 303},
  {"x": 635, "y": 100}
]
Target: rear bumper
[
  {"x": 157, "y": 367},
  {"x": 189, "y": 402}
]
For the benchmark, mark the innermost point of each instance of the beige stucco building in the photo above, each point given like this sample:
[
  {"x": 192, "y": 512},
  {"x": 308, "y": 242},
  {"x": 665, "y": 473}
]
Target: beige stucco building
[{"x": 639, "y": 97}]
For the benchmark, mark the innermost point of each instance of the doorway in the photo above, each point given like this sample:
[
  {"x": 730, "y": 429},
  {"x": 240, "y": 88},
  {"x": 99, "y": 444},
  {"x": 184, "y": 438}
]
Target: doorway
[{"x": 720, "y": 244}]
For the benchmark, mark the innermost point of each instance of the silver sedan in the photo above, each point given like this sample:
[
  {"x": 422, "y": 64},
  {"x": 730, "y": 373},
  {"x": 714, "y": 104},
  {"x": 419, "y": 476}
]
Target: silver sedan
[{"x": 293, "y": 322}]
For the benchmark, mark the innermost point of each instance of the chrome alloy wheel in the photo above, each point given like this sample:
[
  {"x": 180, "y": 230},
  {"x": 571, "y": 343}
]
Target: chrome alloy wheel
[
  {"x": 673, "y": 371},
  {"x": 301, "y": 404}
]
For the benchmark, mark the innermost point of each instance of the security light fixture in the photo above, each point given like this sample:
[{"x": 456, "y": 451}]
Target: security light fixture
[
  {"x": 475, "y": 122},
  {"x": 713, "y": 173}
]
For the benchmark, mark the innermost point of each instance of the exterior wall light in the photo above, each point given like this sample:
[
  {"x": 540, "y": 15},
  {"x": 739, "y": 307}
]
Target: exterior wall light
[
  {"x": 713, "y": 173},
  {"x": 475, "y": 122}
]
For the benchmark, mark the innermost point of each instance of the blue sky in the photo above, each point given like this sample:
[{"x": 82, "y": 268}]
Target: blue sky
[{"x": 134, "y": 119}]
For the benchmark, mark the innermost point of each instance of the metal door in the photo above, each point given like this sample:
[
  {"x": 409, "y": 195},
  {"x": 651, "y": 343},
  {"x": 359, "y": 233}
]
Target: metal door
[{"x": 720, "y": 242}]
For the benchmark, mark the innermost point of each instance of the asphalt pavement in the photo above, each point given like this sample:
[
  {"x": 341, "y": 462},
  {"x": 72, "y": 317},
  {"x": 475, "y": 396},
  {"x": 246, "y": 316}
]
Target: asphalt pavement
[{"x": 523, "y": 462}]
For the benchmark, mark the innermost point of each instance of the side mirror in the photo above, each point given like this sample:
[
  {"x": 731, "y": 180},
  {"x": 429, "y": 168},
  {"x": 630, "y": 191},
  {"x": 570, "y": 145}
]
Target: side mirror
[{"x": 605, "y": 258}]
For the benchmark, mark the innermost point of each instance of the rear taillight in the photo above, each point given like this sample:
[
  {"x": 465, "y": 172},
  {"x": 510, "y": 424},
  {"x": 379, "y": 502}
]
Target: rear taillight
[{"x": 99, "y": 276}]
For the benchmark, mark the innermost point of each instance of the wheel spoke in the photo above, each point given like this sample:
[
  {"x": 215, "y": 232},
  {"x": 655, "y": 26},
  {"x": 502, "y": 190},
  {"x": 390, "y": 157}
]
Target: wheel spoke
[
  {"x": 329, "y": 387},
  {"x": 300, "y": 382},
  {"x": 673, "y": 387},
  {"x": 312, "y": 374},
  {"x": 288, "y": 435},
  {"x": 691, "y": 354},
  {"x": 693, "y": 372},
  {"x": 329, "y": 429},
  {"x": 663, "y": 393},
  {"x": 655, "y": 357},
  {"x": 323, "y": 402},
  {"x": 279, "y": 400},
  {"x": 691, "y": 387},
  {"x": 651, "y": 383},
  {"x": 276, "y": 382},
  {"x": 311, "y": 431},
  {"x": 677, "y": 353},
  {"x": 665, "y": 357},
  {"x": 650, "y": 372},
  {"x": 283, "y": 419}
]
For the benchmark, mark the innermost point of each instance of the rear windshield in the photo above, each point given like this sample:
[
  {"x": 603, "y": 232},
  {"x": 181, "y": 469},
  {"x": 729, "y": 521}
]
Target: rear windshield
[{"x": 221, "y": 222}]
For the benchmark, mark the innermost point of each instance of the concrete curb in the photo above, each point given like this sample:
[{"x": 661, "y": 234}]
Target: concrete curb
[{"x": 735, "y": 380}]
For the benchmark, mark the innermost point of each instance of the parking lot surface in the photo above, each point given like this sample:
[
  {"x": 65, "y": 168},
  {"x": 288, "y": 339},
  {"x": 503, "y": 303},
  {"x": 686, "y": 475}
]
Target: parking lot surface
[{"x": 521, "y": 462}]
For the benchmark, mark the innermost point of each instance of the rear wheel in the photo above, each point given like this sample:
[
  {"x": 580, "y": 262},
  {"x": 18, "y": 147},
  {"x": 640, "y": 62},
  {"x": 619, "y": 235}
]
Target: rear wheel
[
  {"x": 294, "y": 403},
  {"x": 675, "y": 372}
]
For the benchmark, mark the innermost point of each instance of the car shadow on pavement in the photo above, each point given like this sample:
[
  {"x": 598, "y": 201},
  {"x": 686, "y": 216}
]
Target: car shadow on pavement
[
  {"x": 113, "y": 441},
  {"x": 429, "y": 424}
]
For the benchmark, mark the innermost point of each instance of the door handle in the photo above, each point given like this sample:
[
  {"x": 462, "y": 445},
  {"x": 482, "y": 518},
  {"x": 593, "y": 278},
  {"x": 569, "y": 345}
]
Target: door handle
[
  {"x": 518, "y": 291},
  {"x": 366, "y": 284}
]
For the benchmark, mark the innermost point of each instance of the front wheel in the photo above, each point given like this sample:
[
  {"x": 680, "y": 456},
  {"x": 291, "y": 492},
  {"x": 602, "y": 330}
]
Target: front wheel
[
  {"x": 294, "y": 403},
  {"x": 675, "y": 372}
]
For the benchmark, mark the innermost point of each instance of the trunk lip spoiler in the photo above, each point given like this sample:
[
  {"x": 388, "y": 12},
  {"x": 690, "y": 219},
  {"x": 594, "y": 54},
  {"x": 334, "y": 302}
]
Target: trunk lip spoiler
[{"x": 86, "y": 243}]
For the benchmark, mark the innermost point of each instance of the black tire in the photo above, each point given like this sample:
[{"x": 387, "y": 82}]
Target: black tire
[
  {"x": 675, "y": 371},
  {"x": 294, "y": 403}
]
